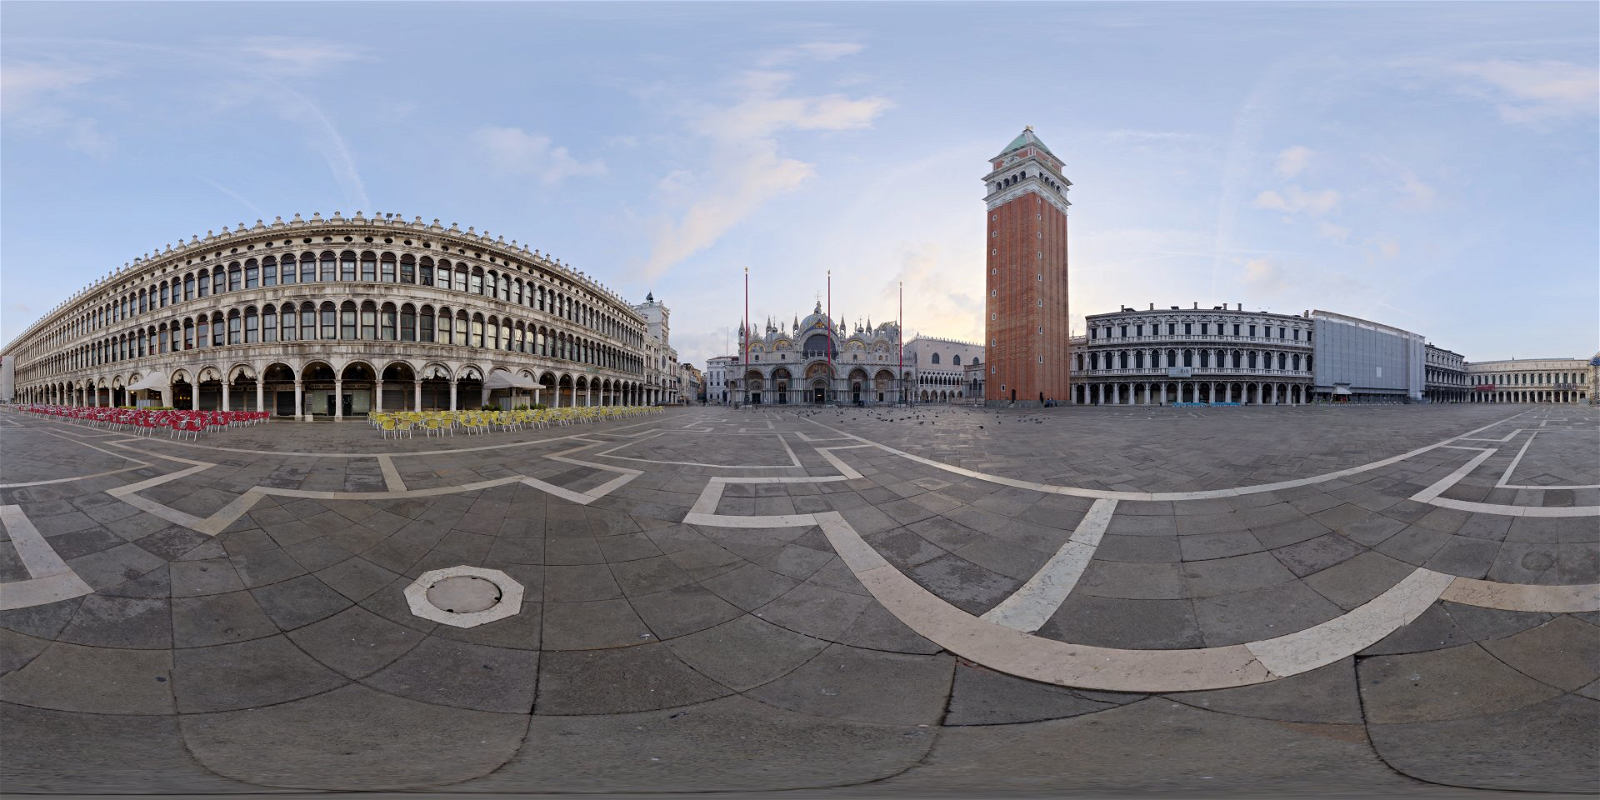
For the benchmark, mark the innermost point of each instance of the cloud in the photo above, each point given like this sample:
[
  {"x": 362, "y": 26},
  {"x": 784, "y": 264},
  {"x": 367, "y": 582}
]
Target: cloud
[
  {"x": 286, "y": 56},
  {"x": 1264, "y": 275},
  {"x": 1414, "y": 193},
  {"x": 1529, "y": 92},
  {"x": 517, "y": 152},
  {"x": 1293, "y": 161},
  {"x": 1295, "y": 200},
  {"x": 747, "y": 167},
  {"x": 34, "y": 97},
  {"x": 814, "y": 51},
  {"x": 1328, "y": 230}
]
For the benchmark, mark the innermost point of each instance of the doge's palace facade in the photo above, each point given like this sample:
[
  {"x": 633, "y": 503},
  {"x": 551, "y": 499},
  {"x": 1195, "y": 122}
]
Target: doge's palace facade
[{"x": 334, "y": 317}]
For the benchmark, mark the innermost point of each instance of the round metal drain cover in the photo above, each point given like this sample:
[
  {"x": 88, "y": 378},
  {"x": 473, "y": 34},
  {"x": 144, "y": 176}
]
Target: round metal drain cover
[{"x": 464, "y": 594}]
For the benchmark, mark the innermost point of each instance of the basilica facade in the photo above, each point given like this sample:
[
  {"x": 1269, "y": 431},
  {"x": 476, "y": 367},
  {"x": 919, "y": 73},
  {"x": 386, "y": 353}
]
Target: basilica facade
[{"x": 819, "y": 361}]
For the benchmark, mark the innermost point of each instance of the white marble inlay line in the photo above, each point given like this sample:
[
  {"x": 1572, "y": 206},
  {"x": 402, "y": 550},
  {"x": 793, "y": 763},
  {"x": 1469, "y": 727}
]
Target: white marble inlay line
[{"x": 1031, "y": 606}]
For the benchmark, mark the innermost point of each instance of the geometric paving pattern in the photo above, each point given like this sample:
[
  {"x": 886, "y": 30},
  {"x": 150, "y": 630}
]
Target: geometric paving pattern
[{"x": 1275, "y": 599}]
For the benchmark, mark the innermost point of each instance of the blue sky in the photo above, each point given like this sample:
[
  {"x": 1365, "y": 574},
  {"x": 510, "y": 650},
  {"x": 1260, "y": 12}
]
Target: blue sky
[{"x": 1428, "y": 165}]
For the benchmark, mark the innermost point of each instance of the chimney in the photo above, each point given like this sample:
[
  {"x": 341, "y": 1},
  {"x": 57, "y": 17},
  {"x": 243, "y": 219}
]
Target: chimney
[
  {"x": 1152, "y": 306},
  {"x": 1197, "y": 305},
  {"x": 1240, "y": 307}
]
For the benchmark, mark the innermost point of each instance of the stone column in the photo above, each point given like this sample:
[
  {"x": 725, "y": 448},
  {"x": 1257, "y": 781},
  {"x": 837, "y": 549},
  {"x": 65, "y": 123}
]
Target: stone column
[
  {"x": 377, "y": 396},
  {"x": 416, "y": 404},
  {"x": 261, "y": 393},
  {"x": 166, "y": 394},
  {"x": 588, "y": 399},
  {"x": 225, "y": 395},
  {"x": 452, "y": 394},
  {"x": 299, "y": 400},
  {"x": 338, "y": 399},
  {"x": 484, "y": 395}
]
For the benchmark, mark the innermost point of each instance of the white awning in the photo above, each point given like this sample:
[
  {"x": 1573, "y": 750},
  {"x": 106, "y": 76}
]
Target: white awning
[
  {"x": 1341, "y": 390},
  {"x": 507, "y": 380},
  {"x": 155, "y": 380}
]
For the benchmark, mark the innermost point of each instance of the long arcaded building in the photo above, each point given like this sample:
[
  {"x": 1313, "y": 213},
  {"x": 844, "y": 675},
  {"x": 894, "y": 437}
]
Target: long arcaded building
[{"x": 333, "y": 317}]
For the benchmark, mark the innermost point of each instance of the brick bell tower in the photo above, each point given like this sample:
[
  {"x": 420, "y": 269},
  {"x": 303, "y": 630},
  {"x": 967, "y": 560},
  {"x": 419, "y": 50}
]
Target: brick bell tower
[{"x": 1026, "y": 328}]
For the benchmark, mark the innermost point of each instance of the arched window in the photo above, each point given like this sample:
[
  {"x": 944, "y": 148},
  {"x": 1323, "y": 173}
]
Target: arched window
[
  {"x": 252, "y": 274},
  {"x": 477, "y": 327},
  {"x": 308, "y": 322},
  {"x": 1188, "y": 358},
  {"x": 308, "y": 267},
  {"x": 934, "y": 359},
  {"x": 291, "y": 323},
  {"x": 462, "y": 329},
  {"x": 955, "y": 361},
  {"x": 348, "y": 322},
  {"x": 408, "y": 323},
  {"x": 287, "y": 269},
  {"x": 251, "y": 329},
  {"x": 216, "y": 327},
  {"x": 425, "y": 271},
  {"x": 330, "y": 321},
  {"x": 347, "y": 266},
  {"x": 1122, "y": 360},
  {"x": 269, "y": 271},
  {"x": 388, "y": 269},
  {"x": 233, "y": 277},
  {"x": 369, "y": 321},
  {"x": 369, "y": 266},
  {"x": 330, "y": 267},
  {"x": 446, "y": 330},
  {"x": 387, "y": 320},
  {"x": 408, "y": 269}
]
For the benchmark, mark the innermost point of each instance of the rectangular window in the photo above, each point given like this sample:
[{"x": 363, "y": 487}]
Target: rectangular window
[
  {"x": 269, "y": 273},
  {"x": 308, "y": 269},
  {"x": 408, "y": 271},
  {"x": 477, "y": 283},
  {"x": 233, "y": 280},
  {"x": 427, "y": 274},
  {"x": 1296, "y": 333},
  {"x": 426, "y": 334},
  {"x": 347, "y": 324},
  {"x": 1205, "y": 329},
  {"x": 477, "y": 333},
  {"x": 250, "y": 330},
  {"x": 1188, "y": 328},
  {"x": 461, "y": 279},
  {"x": 369, "y": 268},
  {"x": 252, "y": 277},
  {"x": 388, "y": 272},
  {"x": 387, "y": 330},
  {"x": 1252, "y": 331},
  {"x": 369, "y": 324},
  {"x": 1123, "y": 332},
  {"x": 408, "y": 326},
  {"x": 290, "y": 323},
  {"x": 217, "y": 332},
  {"x": 444, "y": 329},
  {"x": 347, "y": 267},
  {"x": 330, "y": 323},
  {"x": 269, "y": 325},
  {"x": 188, "y": 337},
  {"x": 233, "y": 330},
  {"x": 1172, "y": 329},
  {"x": 163, "y": 295}
]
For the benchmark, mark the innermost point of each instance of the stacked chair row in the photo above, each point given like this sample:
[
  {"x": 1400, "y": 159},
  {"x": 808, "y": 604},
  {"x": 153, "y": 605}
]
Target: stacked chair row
[
  {"x": 440, "y": 423},
  {"x": 147, "y": 421}
]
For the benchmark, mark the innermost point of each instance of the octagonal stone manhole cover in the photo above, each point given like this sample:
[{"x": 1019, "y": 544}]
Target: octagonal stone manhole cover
[{"x": 464, "y": 597}]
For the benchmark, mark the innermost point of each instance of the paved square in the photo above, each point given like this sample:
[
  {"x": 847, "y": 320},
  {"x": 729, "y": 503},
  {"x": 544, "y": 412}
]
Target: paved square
[{"x": 1368, "y": 600}]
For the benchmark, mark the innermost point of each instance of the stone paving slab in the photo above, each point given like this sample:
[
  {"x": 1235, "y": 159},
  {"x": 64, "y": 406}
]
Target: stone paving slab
[{"x": 247, "y": 627}]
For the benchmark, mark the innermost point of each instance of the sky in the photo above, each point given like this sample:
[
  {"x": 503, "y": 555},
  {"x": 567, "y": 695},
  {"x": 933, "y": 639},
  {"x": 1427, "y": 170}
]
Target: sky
[{"x": 1431, "y": 166}]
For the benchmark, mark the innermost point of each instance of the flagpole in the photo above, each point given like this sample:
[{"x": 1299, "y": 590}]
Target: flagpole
[
  {"x": 900, "y": 336},
  {"x": 745, "y": 364},
  {"x": 829, "y": 395}
]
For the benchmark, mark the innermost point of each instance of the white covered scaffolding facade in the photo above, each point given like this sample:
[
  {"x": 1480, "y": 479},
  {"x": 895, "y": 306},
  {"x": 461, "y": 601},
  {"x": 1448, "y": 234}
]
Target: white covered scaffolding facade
[{"x": 335, "y": 317}]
